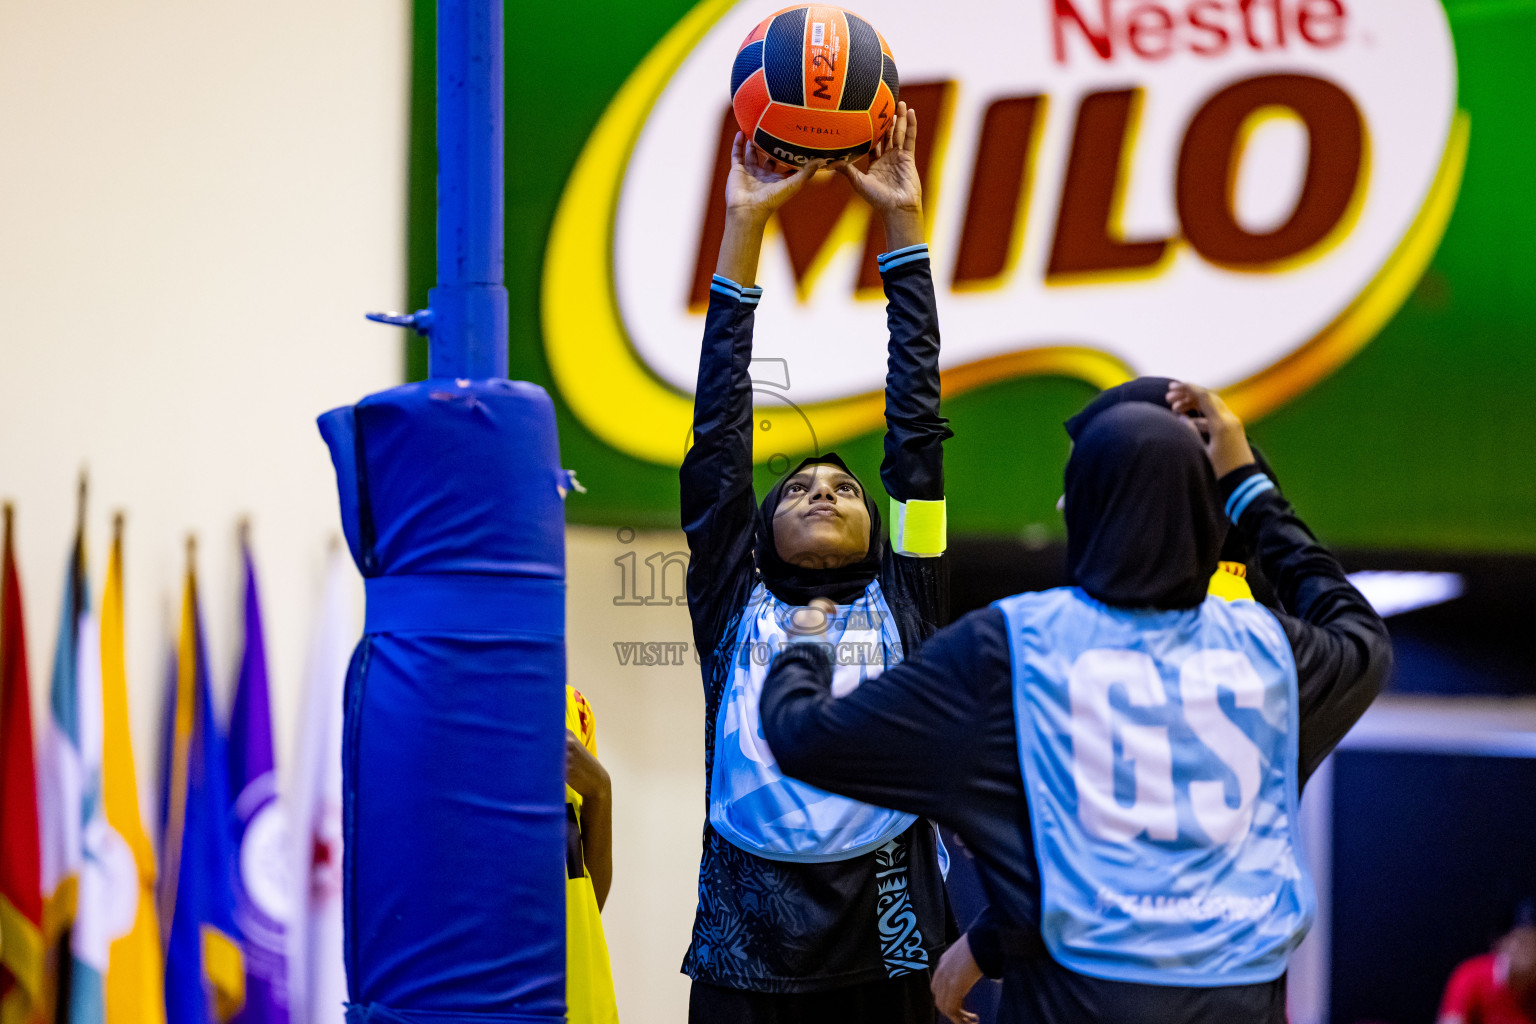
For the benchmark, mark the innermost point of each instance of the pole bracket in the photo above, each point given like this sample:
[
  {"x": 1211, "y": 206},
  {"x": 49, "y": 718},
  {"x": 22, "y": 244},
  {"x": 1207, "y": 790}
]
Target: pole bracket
[{"x": 419, "y": 321}]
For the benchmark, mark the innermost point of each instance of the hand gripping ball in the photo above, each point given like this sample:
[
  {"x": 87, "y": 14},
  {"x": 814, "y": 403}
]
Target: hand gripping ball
[{"x": 813, "y": 82}]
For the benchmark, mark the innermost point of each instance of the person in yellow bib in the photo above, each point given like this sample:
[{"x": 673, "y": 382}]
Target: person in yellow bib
[{"x": 588, "y": 869}]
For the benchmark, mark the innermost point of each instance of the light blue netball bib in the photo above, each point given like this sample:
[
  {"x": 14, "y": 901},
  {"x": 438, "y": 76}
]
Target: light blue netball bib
[
  {"x": 1159, "y": 754},
  {"x": 752, "y": 805}
]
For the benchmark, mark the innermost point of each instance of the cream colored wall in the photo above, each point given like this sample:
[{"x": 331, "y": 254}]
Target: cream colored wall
[
  {"x": 650, "y": 737},
  {"x": 197, "y": 202}
]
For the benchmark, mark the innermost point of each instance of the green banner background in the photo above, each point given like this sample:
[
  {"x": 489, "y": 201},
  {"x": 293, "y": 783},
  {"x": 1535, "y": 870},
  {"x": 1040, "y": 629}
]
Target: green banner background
[{"x": 1426, "y": 439}]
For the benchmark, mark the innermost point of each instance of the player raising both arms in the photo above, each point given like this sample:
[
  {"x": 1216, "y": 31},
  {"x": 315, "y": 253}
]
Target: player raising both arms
[
  {"x": 1122, "y": 757},
  {"x": 812, "y": 907}
]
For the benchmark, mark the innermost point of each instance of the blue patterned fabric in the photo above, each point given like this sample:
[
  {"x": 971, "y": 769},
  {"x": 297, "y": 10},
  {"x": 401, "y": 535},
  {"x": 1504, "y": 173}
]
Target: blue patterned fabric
[
  {"x": 1159, "y": 752},
  {"x": 752, "y": 805}
]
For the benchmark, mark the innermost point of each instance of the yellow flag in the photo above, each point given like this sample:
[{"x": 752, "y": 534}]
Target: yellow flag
[{"x": 135, "y": 989}]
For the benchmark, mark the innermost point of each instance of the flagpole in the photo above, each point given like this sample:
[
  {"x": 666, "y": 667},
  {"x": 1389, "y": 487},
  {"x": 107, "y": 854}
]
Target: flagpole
[{"x": 80, "y": 496}]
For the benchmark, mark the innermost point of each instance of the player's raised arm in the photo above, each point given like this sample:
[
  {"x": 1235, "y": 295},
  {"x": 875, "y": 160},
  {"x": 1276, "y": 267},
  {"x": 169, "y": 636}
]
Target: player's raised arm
[
  {"x": 718, "y": 508},
  {"x": 907, "y": 739},
  {"x": 1342, "y": 648},
  {"x": 913, "y": 470}
]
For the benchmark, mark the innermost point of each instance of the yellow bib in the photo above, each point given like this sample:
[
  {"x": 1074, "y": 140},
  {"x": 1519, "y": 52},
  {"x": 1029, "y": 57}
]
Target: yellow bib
[
  {"x": 1230, "y": 582},
  {"x": 588, "y": 975}
]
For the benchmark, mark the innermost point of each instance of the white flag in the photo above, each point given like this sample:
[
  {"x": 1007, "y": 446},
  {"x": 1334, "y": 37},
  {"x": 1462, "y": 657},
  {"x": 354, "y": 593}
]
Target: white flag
[
  {"x": 109, "y": 876},
  {"x": 318, "y": 980},
  {"x": 62, "y": 781}
]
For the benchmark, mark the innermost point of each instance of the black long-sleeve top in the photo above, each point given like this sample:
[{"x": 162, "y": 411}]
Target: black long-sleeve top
[
  {"x": 775, "y": 926},
  {"x": 937, "y": 736}
]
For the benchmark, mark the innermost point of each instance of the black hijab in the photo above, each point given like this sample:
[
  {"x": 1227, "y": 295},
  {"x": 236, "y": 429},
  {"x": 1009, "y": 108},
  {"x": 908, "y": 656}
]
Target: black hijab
[
  {"x": 1154, "y": 390},
  {"x": 1142, "y": 389},
  {"x": 795, "y": 585},
  {"x": 1143, "y": 526}
]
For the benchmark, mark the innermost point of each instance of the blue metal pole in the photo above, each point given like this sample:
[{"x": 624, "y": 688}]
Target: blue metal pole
[{"x": 467, "y": 331}]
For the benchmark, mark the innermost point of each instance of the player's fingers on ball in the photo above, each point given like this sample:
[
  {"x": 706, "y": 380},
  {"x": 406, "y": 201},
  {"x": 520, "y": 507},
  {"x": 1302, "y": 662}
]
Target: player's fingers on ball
[
  {"x": 1214, "y": 408},
  {"x": 911, "y": 140},
  {"x": 1188, "y": 396}
]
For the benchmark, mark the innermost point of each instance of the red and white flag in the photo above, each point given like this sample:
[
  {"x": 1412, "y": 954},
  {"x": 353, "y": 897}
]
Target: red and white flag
[{"x": 318, "y": 980}]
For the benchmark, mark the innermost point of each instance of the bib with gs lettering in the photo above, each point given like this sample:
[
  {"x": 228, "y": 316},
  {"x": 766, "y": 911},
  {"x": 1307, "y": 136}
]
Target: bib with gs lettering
[{"x": 1159, "y": 753}]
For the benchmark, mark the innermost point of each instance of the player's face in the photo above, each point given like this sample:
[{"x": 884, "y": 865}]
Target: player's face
[{"x": 822, "y": 521}]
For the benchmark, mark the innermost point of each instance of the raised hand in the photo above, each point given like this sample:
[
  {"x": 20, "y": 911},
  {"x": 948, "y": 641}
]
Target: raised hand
[
  {"x": 754, "y": 189},
  {"x": 752, "y": 193},
  {"x": 1228, "y": 444},
  {"x": 891, "y": 184}
]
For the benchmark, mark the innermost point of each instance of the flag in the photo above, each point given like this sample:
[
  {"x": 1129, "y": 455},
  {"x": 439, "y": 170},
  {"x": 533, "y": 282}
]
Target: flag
[
  {"x": 21, "y": 897},
  {"x": 63, "y": 778},
  {"x": 204, "y": 965},
  {"x": 134, "y": 988},
  {"x": 99, "y": 864},
  {"x": 263, "y": 895},
  {"x": 318, "y": 981}
]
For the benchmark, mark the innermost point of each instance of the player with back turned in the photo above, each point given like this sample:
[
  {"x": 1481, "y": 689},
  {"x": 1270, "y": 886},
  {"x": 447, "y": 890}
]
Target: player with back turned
[
  {"x": 1122, "y": 757},
  {"x": 812, "y": 908}
]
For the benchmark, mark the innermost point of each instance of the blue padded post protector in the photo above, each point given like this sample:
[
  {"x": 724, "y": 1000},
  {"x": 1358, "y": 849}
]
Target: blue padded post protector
[{"x": 454, "y": 749}]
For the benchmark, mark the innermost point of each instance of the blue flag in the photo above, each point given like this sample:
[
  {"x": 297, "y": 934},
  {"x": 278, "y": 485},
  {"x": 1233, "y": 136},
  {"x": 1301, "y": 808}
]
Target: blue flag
[
  {"x": 204, "y": 963},
  {"x": 263, "y": 895}
]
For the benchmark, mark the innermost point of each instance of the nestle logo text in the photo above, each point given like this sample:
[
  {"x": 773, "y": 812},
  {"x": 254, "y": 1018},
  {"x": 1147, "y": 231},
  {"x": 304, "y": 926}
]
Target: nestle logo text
[{"x": 1205, "y": 28}]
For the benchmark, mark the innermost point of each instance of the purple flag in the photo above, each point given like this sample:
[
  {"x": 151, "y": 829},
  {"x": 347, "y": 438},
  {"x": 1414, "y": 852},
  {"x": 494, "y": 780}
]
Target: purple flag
[{"x": 263, "y": 896}]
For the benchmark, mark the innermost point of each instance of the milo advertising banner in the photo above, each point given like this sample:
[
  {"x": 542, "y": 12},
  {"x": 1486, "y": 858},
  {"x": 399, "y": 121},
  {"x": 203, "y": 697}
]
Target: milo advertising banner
[{"x": 1322, "y": 207}]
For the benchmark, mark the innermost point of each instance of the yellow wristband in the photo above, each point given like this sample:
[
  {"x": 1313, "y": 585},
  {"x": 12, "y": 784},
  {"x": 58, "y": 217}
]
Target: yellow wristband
[{"x": 919, "y": 529}]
